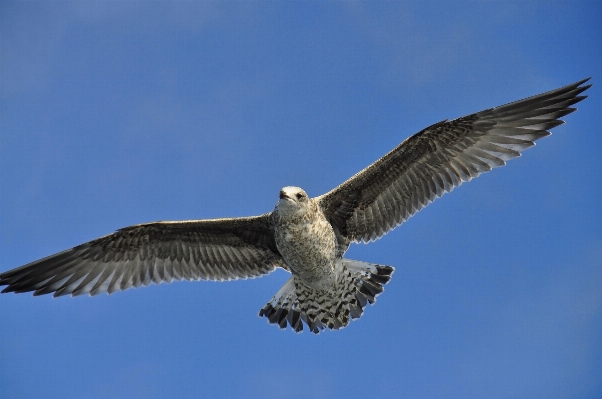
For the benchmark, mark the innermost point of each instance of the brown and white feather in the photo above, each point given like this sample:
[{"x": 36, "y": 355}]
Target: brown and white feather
[
  {"x": 215, "y": 249},
  {"x": 439, "y": 158}
]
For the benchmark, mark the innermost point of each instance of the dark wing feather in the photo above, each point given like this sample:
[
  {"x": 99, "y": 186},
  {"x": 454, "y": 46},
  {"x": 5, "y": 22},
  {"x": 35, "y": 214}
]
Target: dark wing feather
[
  {"x": 218, "y": 249},
  {"x": 440, "y": 158}
]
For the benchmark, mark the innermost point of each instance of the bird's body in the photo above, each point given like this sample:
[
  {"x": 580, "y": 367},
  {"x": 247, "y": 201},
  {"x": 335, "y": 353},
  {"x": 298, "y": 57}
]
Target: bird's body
[
  {"x": 325, "y": 289},
  {"x": 305, "y": 239},
  {"x": 307, "y": 236}
]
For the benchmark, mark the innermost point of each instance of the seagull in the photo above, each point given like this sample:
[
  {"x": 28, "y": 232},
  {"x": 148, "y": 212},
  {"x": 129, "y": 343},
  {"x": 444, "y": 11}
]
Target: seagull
[{"x": 305, "y": 236}]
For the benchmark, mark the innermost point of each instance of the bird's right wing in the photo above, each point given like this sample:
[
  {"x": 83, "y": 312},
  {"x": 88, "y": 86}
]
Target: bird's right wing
[{"x": 214, "y": 249}]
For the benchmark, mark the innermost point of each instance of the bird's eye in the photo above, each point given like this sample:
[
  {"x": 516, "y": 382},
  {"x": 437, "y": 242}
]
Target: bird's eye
[{"x": 299, "y": 195}]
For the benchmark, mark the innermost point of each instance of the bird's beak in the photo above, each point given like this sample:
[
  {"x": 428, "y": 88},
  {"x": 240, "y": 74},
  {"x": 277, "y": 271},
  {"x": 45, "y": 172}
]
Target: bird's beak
[{"x": 283, "y": 195}]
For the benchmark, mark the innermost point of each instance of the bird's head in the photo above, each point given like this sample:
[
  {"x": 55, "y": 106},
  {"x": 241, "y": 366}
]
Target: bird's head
[{"x": 292, "y": 200}]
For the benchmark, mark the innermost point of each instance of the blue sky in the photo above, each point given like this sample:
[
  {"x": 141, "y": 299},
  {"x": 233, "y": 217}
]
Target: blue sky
[{"x": 117, "y": 113}]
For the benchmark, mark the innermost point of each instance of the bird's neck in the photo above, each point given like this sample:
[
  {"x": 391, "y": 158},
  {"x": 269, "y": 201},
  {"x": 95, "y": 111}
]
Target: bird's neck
[{"x": 306, "y": 214}]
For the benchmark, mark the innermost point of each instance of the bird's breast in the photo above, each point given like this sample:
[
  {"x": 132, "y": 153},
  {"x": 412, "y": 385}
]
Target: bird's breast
[{"x": 308, "y": 245}]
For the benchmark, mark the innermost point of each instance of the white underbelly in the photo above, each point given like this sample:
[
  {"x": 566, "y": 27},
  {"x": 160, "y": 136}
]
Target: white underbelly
[{"x": 310, "y": 252}]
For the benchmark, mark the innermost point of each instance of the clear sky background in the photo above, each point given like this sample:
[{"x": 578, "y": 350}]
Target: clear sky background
[{"x": 117, "y": 113}]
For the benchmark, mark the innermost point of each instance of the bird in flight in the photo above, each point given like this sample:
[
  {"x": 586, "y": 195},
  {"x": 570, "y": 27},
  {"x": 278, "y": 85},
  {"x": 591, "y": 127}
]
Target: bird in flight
[{"x": 307, "y": 237}]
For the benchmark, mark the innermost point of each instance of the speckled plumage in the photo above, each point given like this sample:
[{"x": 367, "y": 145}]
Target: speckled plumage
[
  {"x": 307, "y": 242},
  {"x": 356, "y": 284},
  {"x": 307, "y": 236},
  {"x": 324, "y": 291}
]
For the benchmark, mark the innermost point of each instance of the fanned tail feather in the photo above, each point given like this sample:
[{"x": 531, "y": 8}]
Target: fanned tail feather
[{"x": 358, "y": 283}]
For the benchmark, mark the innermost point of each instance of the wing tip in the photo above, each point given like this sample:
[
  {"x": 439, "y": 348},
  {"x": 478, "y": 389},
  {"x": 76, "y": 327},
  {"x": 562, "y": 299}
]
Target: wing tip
[
  {"x": 580, "y": 89},
  {"x": 6, "y": 290},
  {"x": 578, "y": 84}
]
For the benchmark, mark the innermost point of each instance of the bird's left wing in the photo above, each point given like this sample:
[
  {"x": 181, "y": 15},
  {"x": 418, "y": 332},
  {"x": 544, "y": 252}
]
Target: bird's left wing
[
  {"x": 214, "y": 249},
  {"x": 439, "y": 158}
]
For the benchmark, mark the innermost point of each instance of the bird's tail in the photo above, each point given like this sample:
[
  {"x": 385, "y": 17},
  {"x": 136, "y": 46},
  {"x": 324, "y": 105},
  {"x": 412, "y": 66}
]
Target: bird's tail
[{"x": 357, "y": 284}]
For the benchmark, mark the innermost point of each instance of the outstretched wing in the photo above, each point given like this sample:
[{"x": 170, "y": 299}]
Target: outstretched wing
[
  {"x": 441, "y": 157},
  {"x": 217, "y": 249}
]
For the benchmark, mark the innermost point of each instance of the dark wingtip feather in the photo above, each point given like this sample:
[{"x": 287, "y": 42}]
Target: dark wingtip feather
[
  {"x": 577, "y": 84},
  {"x": 43, "y": 291}
]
